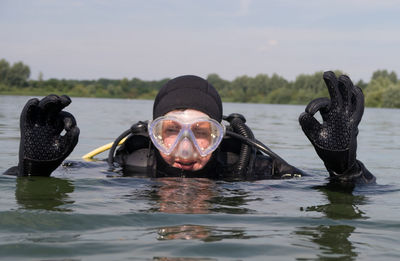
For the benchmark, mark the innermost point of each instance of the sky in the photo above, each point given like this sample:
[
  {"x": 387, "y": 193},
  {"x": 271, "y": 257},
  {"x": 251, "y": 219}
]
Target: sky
[{"x": 157, "y": 39}]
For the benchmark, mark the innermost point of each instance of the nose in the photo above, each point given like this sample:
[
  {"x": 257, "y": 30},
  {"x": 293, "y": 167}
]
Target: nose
[{"x": 185, "y": 149}]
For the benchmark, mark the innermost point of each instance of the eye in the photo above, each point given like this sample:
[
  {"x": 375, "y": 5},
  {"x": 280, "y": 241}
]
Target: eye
[
  {"x": 201, "y": 132},
  {"x": 171, "y": 129}
]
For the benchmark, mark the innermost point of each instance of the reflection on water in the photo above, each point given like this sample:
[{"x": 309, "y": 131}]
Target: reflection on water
[
  {"x": 43, "y": 193},
  {"x": 194, "y": 196},
  {"x": 342, "y": 205},
  {"x": 203, "y": 196},
  {"x": 232, "y": 201},
  {"x": 183, "y": 259},
  {"x": 197, "y": 196},
  {"x": 181, "y": 195},
  {"x": 333, "y": 240},
  {"x": 204, "y": 233}
]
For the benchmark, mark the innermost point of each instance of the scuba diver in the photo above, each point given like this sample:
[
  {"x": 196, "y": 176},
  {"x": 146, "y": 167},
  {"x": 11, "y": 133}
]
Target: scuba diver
[{"x": 187, "y": 137}]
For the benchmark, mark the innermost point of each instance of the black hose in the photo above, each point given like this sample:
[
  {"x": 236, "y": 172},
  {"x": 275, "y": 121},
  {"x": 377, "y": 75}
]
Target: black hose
[
  {"x": 110, "y": 159},
  {"x": 238, "y": 125},
  {"x": 255, "y": 143},
  {"x": 139, "y": 127}
]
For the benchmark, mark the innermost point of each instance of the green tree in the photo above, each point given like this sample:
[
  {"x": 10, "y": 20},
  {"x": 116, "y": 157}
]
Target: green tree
[
  {"x": 392, "y": 76},
  {"x": 280, "y": 96},
  {"x": 375, "y": 91},
  {"x": 382, "y": 90},
  {"x": 361, "y": 84},
  {"x": 313, "y": 83},
  {"x": 4, "y": 70},
  {"x": 40, "y": 77},
  {"x": 242, "y": 89},
  {"x": 220, "y": 84},
  {"x": 391, "y": 97},
  {"x": 18, "y": 75}
]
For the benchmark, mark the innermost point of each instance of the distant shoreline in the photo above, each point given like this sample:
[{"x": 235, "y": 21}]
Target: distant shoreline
[{"x": 382, "y": 91}]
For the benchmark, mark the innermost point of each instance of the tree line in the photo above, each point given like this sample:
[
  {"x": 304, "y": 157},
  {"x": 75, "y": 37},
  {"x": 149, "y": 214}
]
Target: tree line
[{"x": 383, "y": 90}]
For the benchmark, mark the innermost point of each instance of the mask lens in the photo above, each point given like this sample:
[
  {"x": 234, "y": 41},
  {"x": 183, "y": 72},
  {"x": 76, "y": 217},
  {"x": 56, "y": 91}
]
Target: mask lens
[
  {"x": 203, "y": 133},
  {"x": 164, "y": 133},
  {"x": 167, "y": 132}
]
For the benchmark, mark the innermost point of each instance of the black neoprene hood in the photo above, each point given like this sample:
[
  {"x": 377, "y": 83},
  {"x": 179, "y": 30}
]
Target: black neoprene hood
[{"x": 188, "y": 92}]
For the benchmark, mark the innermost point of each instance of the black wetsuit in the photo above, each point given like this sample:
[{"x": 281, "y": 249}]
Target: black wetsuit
[{"x": 138, "y": 157}]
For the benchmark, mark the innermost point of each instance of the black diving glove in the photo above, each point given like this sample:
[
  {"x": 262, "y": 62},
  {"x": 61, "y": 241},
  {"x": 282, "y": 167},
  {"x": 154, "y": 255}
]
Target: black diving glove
[
  {"x": 43, "y": 147},
  {"x": 335, "y": 140}
]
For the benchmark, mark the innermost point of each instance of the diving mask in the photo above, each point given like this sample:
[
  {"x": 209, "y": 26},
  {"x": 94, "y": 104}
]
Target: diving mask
[{"x": 186, "y": 135}]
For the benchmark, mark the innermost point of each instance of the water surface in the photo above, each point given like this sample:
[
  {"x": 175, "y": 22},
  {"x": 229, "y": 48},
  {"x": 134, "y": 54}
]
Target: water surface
[{"x": 81, "y": 213}]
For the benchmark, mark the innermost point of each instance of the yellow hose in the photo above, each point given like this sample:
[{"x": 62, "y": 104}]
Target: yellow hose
[{"x": 101, "y": 149}]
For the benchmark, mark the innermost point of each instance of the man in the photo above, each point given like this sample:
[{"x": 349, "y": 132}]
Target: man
[{"x": 186, "y": 137}]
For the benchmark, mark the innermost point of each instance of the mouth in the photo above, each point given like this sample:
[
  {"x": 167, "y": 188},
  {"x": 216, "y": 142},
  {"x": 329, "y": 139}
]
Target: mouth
[{"x": 185, "y": 165}]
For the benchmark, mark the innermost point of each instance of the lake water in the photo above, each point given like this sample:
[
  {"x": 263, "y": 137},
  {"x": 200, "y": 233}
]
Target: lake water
[{"x": 81, "y": 213}]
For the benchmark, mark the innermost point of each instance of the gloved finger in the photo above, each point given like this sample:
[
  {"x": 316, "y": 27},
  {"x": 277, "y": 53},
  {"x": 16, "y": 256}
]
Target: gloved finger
[
  {"x": 72, "y": 135},
  {"x": 332, "y": 84},
  {"x": 319, "y": 104},
  {"x": 51, "y": 105},
  {"x": 358, "y": 104},
  {"x": 29, "y": 111},
  {"x": 345, "y": 86},
  {"x": 65, "y": 101},
  {"x": 71, "y": 139},
  {"x": 311, "y": 126},
  {"x": 68, "y": 120}
]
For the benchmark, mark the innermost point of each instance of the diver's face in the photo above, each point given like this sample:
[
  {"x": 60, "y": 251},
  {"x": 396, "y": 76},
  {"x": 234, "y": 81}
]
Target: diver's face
[{"x": 190, "y": 161}]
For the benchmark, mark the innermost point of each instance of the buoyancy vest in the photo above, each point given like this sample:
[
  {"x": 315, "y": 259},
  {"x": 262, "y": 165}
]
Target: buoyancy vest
[{"x": 138, "y": 157}]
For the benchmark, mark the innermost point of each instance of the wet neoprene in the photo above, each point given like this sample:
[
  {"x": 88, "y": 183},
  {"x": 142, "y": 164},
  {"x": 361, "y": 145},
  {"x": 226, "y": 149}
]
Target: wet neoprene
[
  {"x": 42, "y": 145},
  {"x": 188, "y": 92},
  {"x": 335, "y": 140}
]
